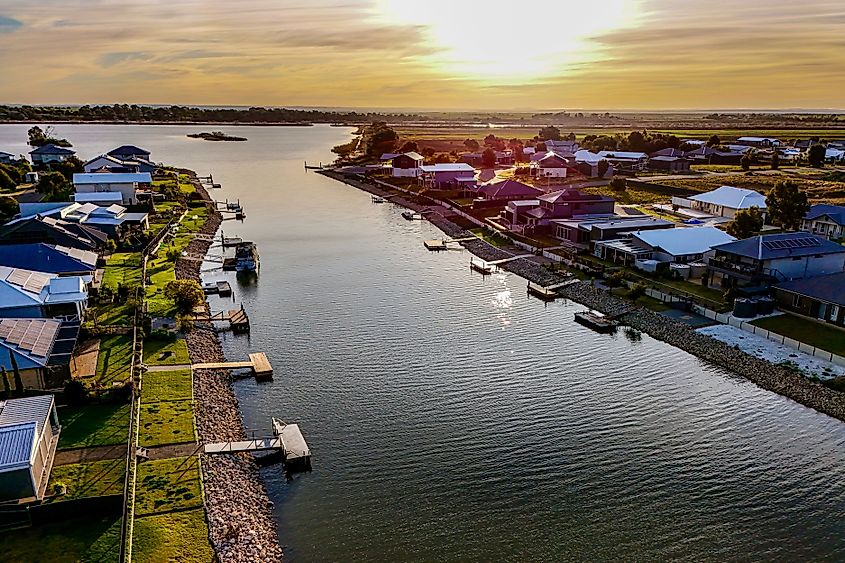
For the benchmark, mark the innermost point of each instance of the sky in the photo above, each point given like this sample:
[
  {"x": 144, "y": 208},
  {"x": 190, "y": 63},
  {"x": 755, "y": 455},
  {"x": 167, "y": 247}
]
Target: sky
[{"x": 430, "y": 54}]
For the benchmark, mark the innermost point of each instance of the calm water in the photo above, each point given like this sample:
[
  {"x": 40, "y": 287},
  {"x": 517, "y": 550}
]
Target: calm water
[{"x": 454, "y": 419}]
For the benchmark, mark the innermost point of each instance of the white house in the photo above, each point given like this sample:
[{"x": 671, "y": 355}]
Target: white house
[
  {"x": 407, "y": 165},
  {"x": 551, "y": 165},
  {"x": 449, "y": 174},
  {"x": 760, "y": 142},
  {"x": 724, "y": 201},
  {"x": 28, "y": 294},
  {"x": 29, "y": 434},
  {"x": 48, "y": 153},
  {"x": 109, "y": 163},
  {"x": 124, "y": 183},
  {"x": 681, "y": 245},
  {"x": 111, "y": 219}
]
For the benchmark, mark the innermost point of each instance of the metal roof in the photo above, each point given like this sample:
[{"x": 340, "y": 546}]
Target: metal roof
[
  {"x": 128, "y": 149},
  {"x": 782, "y": 245},
  {"x": 50, "y": 148},
  {"x": 733, "y": 198},
  {"x": 27, "y": 409},
  {"x": 830, "y": 289},
  {"x": 17, "y": 443},
  {"x": 448, "y": 167},
  {"x": 835, "y": 212},
  {"x": 112, "y": 178},
  {"x": 116, "y": 197},
  {"x": 683, "y": 241},
  {"x": 42, "y": 257}
]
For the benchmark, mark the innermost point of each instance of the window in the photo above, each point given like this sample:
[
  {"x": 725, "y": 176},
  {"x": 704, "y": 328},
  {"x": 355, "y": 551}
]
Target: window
[{"x": 796, "y": 301}]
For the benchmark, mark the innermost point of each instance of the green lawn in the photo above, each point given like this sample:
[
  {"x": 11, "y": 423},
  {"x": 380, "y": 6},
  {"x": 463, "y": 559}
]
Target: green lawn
[
  {"x": 87, "y": 538},
  {"x": 166, "y": 422},
  {"x": 123, "y": 268},
  {"x": 93, "y": 479},
  {"x": 160, "y": 271},
  {"x": 112, "y": 314},
  {"x": 167, "y": 485},
  {"x": 115, "y": 359},
  {"x": 159, "y": 386},
  {"x": 93, "y": 425},
  {"x": 804, "y": 330},
  {"x": 176, "y": 537},
  {"x": 175, "y": 352}
]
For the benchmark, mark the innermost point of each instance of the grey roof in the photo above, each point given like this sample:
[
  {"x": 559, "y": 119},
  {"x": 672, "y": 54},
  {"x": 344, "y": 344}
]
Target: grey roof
[
  {"x": 27, "y": 409},
  {"x": 823, "y": 288},
  {"x": 783, "y": 245},
  {"x": 50, "y": 148},
  {"x": 128, "y": 149},
  {"x": 835, "y": 212}
]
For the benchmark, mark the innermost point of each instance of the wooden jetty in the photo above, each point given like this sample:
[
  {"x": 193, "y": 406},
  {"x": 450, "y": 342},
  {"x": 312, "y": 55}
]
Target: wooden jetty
[
  {"x": 237, "y": 318},
  {"x": 258, "y": 363},
  {"x": 511, "y": 259},
  {"x": 312, "y": 167},
  {"x": 222, "y": 288},
  {"x": 483, "y": 268},
  {"x": 435, "y": 245},
  {"x": 597, "y": 322},
  {"x": 540, "y": 292},
  {"x": 377, "y": 199}
]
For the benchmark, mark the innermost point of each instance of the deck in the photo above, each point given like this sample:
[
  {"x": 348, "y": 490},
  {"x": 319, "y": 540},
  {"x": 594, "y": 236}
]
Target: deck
[
  {"x": 293, "y": 442},
  {"x": 258, "y": 363},
  {"x": 544, "y": 293}
]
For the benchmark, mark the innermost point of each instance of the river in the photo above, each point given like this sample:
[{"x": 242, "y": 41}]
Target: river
[{"x": 453, "y": 418}]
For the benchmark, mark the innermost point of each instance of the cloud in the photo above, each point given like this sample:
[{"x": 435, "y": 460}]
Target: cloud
[
  {"x": 112, "y": 59},
  {"x": 8, "y": 25}
]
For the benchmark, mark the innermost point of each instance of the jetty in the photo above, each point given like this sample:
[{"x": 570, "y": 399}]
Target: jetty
[
  {"x": 541, "y": 292},
  {"x": 258, "y": 363},
  {"x": 222, "y": 288},
  {"x": 237, "y": 318},
  {"x": 442, "y": 244},
  {"x": 598, "y": 323},
  {"x": 511, "y": 259},
  {"x": 483, "y": 268},
  {"x": 287, "y": 439},
  {"x": 411, "y": 215},
  {"x": 233, "y": 207}
]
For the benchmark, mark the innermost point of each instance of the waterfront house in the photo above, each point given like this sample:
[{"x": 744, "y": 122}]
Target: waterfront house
[
  {"x": 825, "y": 220},
  {"x": 106, "y": 163},
  {"x": 562, "y": 147},
  {"x": 446, "y": 175},
  {"x": 586, "y": 230},
  {"x": 40, "y": 257},
  {"x": 725, "y": 201},
  {"x": 126, "y": 184},
  {"x": 29, "y": 294},
  {"x": 682, "y": 245},
  {"x": 508, "y": 190},
  {"x": 626, "y": 160},
  {"x": 561, "y": 204},
  {"x": 129, "y": 152},
  {"x": 769, "y": 259},
  {"x": 552, "y": 165},
  {"x": 6, "y": 157},
  {"x": 670, "y": 164},
  {"x": 29, "y": 434},
  {"x": 42, "y": 348},
  {"x": 112, "y": 219},
  {"x": 407, "y": 165},
  {"x": 45, "y": 154},
  {"x": 821, "y": 298},
  {"x": 99, "y": 198},
  {"x": 758, "y": 142},
  {"x": 52, "y": 231}
]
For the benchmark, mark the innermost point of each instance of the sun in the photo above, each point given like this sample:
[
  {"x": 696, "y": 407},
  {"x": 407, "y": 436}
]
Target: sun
[{"x": 505, "y": 41}]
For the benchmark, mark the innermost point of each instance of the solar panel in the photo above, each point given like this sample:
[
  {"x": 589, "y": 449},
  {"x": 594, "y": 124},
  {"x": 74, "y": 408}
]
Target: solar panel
[
  {"x": 17, "y": 332},
  {"x": 6, "y": 327},
  {"x": 17, "y": 277},
  {"x": 790, "y": 243},
  {"x": 36, "y": 282}
]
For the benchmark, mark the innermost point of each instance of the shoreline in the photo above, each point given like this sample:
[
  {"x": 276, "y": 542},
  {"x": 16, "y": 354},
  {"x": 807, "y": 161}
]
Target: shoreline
[
  {"x": 762, "y": 373},
  {"x": 238, "y": 510}
]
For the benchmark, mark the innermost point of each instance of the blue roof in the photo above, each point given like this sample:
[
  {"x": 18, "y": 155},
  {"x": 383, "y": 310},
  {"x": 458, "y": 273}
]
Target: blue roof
[
  {"x": 824, "y": 288},
  {"x": 783, "y": 245},
  {"x": 128, "y": 149},
  {"x": 835, "y": 212},
  {"x": 50, "y": 148},
  {"x": 17, "y": 442},
  {"x": 40, "y": 257}
]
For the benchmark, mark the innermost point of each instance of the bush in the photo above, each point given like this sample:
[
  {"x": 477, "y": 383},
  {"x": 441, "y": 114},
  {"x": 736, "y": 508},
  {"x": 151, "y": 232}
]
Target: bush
[
  {"x": 186, "y": 294},
  {"x": 637, "y": 291},
  {"x": 618, "y": 184},
  {"x": 76, "y": 393}
]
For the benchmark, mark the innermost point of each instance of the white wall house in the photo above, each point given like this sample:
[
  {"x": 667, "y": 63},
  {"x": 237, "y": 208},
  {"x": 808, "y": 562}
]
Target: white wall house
[
  {"x": 552, "y": 165},
  {"x": 407, "y": 165},
  {"x": 725, "y": 201},
  {"x": 125, "y": 184}
]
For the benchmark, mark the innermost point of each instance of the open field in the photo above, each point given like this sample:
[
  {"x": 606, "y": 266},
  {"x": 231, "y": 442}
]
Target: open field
[
  {"x": 822, "y": 336},
  {"x": 167, "y": 485},
  {"x": 166, "y": 386},
  {"x": 161, "y": 352},
  {"x": 115, "y": 359},
  {"x": 94, "y": 425},
  {"x": 817, "y": 190}
]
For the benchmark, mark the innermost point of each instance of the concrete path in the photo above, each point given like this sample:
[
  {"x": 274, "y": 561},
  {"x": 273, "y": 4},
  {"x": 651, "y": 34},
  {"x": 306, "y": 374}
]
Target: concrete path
[
  {"x": 100, "y": 453},
  {"x": 174, "y": 367}
]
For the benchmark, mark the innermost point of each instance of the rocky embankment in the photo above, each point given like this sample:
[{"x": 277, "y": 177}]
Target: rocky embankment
[
  {"x": 767, "y": 375},
  {"x": 240, "y": 520}
]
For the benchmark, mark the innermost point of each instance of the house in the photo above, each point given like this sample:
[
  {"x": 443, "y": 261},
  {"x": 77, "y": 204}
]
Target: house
[
  {"x": 769, "y": 259},
  {"x": 42, "y": 349},
  {"x": 129, "y": 152},
  {"x": 668, "y": 152},
  {"x": 99, "y": 198},
  {"x": 29, "y": 294},
  {"x": 407, "y": 165},
  {"x": 562, "y": 204},
  {"x": 682, "y": 245},
  {"x": 112, "y": 220},
  {"x": 29, "y": 434},
  {"x": 759, "y": 142},
  {"x": 552, "y": 165},
  {"x": 125, "y": 183},
  {"x": 587, "y": 164},
  {"x": 48, "y": 153},
  {"x": 586, "y": 230},
  {"x": 825, "y": 220},
  {"x": 49, "y": 258},
  {"x": 6, "y": 157},
  {"x": 562, "y": 147},
  {"x": 446, "y": 175},
  {"x": 834, "y": 156},
  {"x": 708, "y": 155},
  {"x": 821, "y": 298},
  {"x": 626, "y": 160},
  {"x": 508, "y": 190},
  {"x": 671, "y": 164},
  {"x": 52, "y": 231},
  {"x": 725, "y": 201},
  {"x": 106, "y": 163}
]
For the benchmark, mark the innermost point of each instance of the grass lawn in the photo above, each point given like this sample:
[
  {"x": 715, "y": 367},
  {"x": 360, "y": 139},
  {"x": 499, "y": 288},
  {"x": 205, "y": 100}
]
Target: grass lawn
[
  {"x": 493, "y": 239},
  {"x": 113, "y": 314},
  {"x": 93, "y": 425},
  {"x": 177, "y": 536},
  {"x": 185, "y": 185},
  {"x": 167, "y": 485},
  {"x": 176, "y": 352},
  {"x": 92, "y": 479},
  {"x": 122, "y": 268},
  {"x": 630, "y": 195},
  {"x": 68, "y": 541},
  {"x": 166, "y": 422},
  {"x": 804, "y": 330},
  {"x": 115, "y": 359},
  {"x": 159, "y": 386},
  {"x": 161, "y": 271}
]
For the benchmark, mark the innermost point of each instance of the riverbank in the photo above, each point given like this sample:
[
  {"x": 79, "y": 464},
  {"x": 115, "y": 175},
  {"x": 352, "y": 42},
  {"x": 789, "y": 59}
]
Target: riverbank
[
  {"x": 764, "y": 374},
  {"x": 240, "y": 521}
]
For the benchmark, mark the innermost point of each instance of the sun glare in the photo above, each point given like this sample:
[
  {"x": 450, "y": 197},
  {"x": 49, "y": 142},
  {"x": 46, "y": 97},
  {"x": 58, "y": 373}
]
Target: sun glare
[{"x": 505, "y": 41}]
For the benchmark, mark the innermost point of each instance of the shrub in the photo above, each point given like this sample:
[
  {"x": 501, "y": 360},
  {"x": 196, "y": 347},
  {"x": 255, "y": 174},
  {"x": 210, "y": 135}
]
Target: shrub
[{"x": 76, "y": 393}]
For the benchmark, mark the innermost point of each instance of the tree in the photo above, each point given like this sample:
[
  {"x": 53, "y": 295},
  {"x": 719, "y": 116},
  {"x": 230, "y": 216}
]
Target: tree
[
  {"x": 6, "y": 182},
  {"x": 549, "y": 133},
  {"x": 54, "y": 186},
  {"x": 488, "y": 158},
  {"x": 815, "y": 156},
  {"x": 186, "y": 294},
  {"x": 472, "y": 145},
  {"x": 714, "y": 141},
  {"x": 746, "y": 223},
  {"x": 8, "y": 208},
  {"x": 7, "y": 390},
  {"x": 618, "y": 184},
  {"x": 745, "y": 161},
  {"x": 603, "y": 166},
  {"x": 637, "y": 291},
  {"x": 775, "y": 160},
  {"x": 787, "y": 205},
  {"x": 17, "y": 371},
  {"x": 36, "y": 136},
  {"x": 70, "y": 166},
  {"x": 408, "y": 146}
]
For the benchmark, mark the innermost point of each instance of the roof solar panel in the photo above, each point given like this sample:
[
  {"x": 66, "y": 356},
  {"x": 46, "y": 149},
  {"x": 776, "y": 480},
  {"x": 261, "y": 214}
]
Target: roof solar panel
[
  {"x": 6, "y": 327},
  {"x": 17, "y": 332}
]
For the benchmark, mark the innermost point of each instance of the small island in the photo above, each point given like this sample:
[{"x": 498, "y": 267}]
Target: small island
[{"x": 216, "y": 136}]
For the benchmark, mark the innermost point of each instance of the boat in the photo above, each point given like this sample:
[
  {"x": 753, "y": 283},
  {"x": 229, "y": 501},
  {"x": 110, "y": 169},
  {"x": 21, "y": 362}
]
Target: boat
[
  {"x": 541, "y": 292},
  {"x": 595, "y": 321},
  {"x": 377, "y": 199},
  {"x": 435, "y": 245},
  {"x": 410, "y": 215},
  {"x": 481, "y": 267},
  {"x": 246, "y": 255}
]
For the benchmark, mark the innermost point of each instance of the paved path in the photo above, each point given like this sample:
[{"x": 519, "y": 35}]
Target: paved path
[
  {"x": 100, "y": 453},
  {"x": 174, "y": 367}
]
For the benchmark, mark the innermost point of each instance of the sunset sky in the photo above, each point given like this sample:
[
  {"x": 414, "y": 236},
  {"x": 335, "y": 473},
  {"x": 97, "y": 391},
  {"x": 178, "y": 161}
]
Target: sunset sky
[{"x": 447, "y": 54}]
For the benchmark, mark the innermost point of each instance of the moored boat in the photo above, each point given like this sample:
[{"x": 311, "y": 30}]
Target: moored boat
[
  {"x": 595, "y": 321},
  {"x": 247, "y": 258}
]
